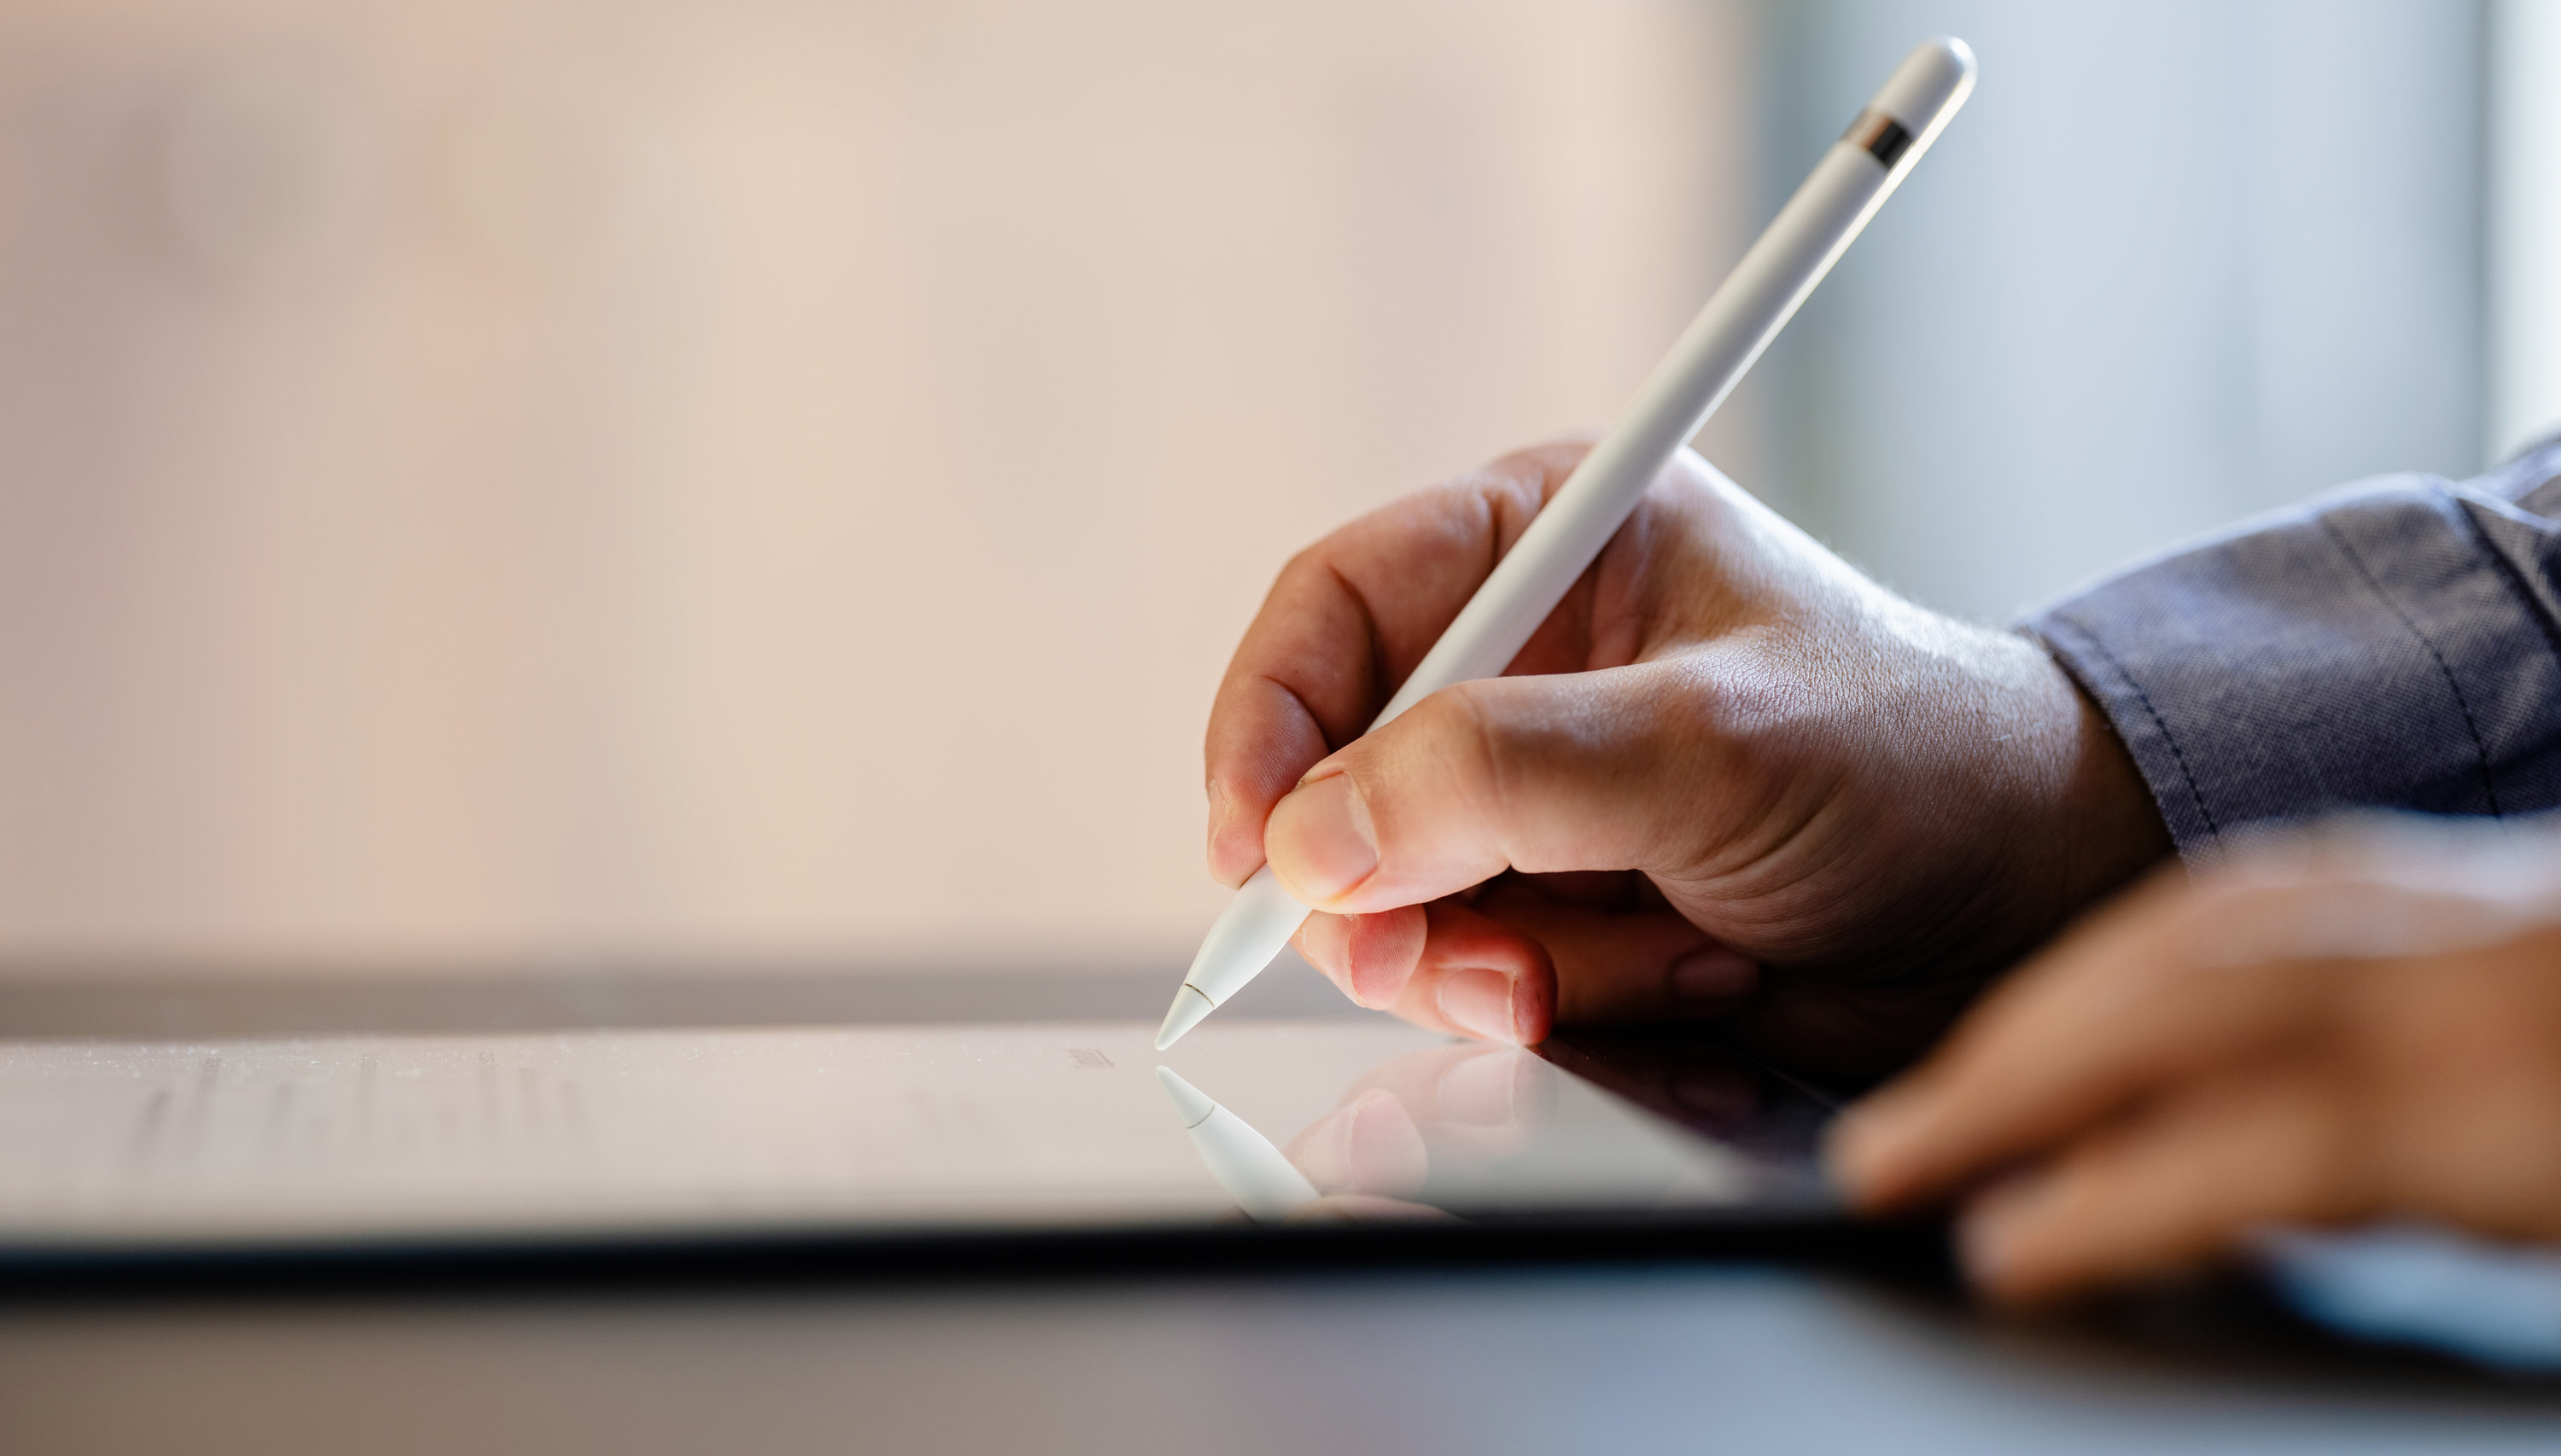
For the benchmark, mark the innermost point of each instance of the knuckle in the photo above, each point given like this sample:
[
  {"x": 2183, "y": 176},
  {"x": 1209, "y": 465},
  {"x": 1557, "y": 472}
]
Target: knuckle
[
  {"x": 1463, "y": 722},
  {"x": 1471, "y": 750},
  {"x": 1504, "y": 494},
  {"x": 1310, "y": 561},
  {"x": 2334, "y": 1167},
  {"x": 1544, "y": 466}
]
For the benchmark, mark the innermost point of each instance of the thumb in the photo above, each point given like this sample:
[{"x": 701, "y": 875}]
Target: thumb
[{"x": 1574, "y": 771}]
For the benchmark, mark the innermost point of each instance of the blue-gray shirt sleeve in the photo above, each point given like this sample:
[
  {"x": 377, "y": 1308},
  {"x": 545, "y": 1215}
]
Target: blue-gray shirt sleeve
[{"x": 2393, "y": 644}]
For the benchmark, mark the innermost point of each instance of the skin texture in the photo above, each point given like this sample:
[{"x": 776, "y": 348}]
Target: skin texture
[
  {"x": 1729, "y": 778},
  {"x": 2363, "y": 1022}
]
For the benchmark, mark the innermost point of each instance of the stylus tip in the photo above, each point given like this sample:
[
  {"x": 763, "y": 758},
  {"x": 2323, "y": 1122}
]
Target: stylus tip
[
  {"x": 1190, "y": 1103},
  {"x": 1189, "y": 1009}
]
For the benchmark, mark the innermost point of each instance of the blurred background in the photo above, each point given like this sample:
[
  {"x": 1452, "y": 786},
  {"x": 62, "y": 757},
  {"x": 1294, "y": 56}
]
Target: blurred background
[{"x": 772, "y": 483}]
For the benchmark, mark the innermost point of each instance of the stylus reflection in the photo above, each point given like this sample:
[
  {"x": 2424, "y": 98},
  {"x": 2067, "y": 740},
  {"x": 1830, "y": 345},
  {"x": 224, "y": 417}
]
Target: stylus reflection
[
  {"x": 1371, "y": 1157},
  {"x": 1255, "y": 1174}
]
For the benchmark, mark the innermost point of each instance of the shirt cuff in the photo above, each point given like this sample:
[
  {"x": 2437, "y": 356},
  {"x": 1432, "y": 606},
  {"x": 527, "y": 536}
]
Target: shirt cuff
[{"x": 2385, "y": 646}]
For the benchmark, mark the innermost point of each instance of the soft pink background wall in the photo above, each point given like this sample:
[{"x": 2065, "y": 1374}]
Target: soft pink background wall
[{"x": 763, "y": 482}]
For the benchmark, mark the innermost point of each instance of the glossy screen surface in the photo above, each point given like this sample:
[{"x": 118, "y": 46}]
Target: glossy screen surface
[{"x": 641, "y": 1133}]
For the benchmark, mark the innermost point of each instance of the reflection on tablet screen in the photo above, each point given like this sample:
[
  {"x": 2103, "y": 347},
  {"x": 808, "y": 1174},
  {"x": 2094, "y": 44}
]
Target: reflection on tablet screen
[{"x": 857, "y": 1129}]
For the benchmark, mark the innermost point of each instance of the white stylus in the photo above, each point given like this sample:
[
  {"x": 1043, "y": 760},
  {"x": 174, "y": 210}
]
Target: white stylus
[
  {"x": 1741, "y": 318},
  {"x": 1263, "y": 1182}
]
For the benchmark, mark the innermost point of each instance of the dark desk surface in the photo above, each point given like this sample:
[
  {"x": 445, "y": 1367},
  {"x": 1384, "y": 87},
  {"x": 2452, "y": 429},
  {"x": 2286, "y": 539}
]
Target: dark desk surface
[{"x": 1694, "y": 1355}]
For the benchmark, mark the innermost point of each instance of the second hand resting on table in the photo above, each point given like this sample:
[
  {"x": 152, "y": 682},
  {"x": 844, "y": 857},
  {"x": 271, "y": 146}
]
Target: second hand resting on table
[
  {"x": 1728, "y": 777},
  {"x": 2358, "y": 1022}
]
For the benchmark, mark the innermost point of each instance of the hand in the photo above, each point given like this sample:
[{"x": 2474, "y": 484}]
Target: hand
[
  {"x": 1729, "y": 776},
  {"x": 2363, "y": 1023}
]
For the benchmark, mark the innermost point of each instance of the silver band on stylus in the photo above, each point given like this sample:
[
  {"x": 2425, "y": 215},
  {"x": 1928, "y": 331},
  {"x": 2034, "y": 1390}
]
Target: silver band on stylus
[{"x": 1879, "y": 135}]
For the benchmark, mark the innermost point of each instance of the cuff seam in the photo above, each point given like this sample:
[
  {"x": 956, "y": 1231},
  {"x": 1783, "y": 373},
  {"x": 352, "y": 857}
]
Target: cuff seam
[
  {"x": 2472, "y": 726},
  {"x": 2088, "y": 641},
  {"x": 2511, "y": 576}
]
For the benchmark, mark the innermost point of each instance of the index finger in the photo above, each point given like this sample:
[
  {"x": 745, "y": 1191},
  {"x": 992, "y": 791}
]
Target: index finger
[{"x": 1348, "y": 620}]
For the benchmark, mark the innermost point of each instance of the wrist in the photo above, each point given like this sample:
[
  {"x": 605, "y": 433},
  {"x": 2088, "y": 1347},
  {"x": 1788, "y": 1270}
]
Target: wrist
[{"x": 2102, "y": 827}]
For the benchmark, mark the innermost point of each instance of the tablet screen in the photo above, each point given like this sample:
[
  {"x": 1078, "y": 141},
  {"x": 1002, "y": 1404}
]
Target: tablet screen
[{"x": 653, "y": 1132}]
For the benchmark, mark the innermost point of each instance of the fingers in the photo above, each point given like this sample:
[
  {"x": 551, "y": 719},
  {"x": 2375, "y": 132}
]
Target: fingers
[
  {"x": 1597, "y": 770},
  {"x": 1481, "y": 979},
  {"x": 2119, "y": 1010},
  {"x": 1370, "y": 957},
  {"x": 1347, "y": 619},
  {"x": 1600, "y": 959},
  {"x": 2173, "y": 1185},
  {"x": 1444, "y": 967},
  {"x": 1615, "y": 964}
]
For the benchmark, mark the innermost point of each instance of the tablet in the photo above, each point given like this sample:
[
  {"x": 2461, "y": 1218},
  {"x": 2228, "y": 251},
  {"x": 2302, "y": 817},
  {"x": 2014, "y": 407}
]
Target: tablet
[{"x": 854, "y": 1132}]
